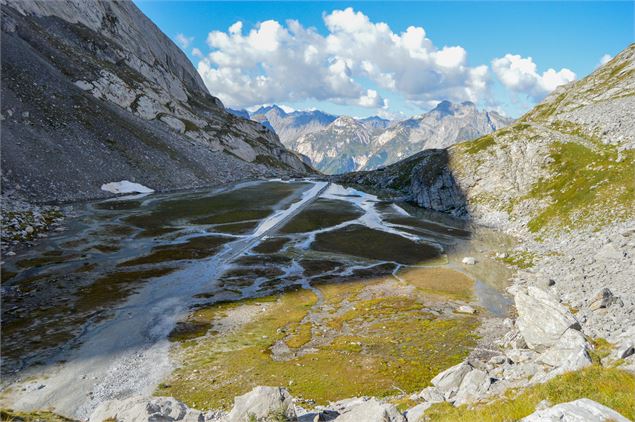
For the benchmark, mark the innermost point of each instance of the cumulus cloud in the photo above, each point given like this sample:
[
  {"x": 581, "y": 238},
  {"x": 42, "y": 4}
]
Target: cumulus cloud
[
  {"x": 605, "y": 59},
  {"x": 183, "y": 40},
  {"x": 519, "y": 74},
  {"x": 351, "y": 64},
  {"x": 197, "y": 53}
]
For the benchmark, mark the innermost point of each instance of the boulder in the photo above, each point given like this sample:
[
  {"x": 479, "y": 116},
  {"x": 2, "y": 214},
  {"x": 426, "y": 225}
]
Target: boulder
[
  {"x": 473, "y": 387},
  {"x": 541, "y": 319},
  {"x": 469, "y": 260},
  {"x": 371, "y": 410},
  {"x": 261, "y": 404},
  {"x": 449, "y": 381},
  {"x": 581, "y": 410},
  {"x": 415, "y": 414},
  {"x": 569, "y": 353},
  {"x": 165, "y": 409},
  {"x": 430, "y": 394},
  {"x": 624, "y": 344},
  {"x": 602, "y": 299},
  {"x": 466, "y": 309}
]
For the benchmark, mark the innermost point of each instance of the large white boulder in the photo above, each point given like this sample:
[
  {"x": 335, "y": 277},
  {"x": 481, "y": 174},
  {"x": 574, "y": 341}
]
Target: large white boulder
[
  {"x": 582, "y": 410},
  {"x": 262, "y": 403},
  {"x": 541, "y": 319},
  {"x": 371, "y": 410}
]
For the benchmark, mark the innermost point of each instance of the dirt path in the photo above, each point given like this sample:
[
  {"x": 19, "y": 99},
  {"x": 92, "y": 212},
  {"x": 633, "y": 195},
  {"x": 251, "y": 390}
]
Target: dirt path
[{"x": 128, "y": 354}]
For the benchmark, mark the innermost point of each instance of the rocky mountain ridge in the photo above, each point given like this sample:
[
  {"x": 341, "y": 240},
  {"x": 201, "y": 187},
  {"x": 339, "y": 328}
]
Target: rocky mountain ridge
[
  {"x": 96, "y": 86},
  {"x": 341, "y": 144}
]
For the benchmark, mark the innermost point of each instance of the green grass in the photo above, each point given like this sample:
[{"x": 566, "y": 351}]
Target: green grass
[
  {"x": 361, "y": 345},
  {"x": 587, "y": 187},
  {"x": 611, "y": 387},
  {"x": 478, "y": 145},
  {"x": 10, "y": 415},
  {"x": 520, "y": 259}
]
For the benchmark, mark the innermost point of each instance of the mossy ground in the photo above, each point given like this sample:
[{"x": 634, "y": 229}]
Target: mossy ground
[
  {"x": 9, "y": 415},
  {"x": 588, "y": 186},
  {"x": 520, "y": 259},
  {"x": 439, "y": 281},
  {"x": 366, "y": 336},
  {"x": 611, "y": 387}
]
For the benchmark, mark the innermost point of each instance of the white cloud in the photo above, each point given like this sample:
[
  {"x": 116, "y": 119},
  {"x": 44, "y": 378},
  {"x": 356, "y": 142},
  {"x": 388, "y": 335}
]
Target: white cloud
[
  {"x": 519, "y": 74},
  {"x": 197, "y": 53},
  {"x": 183, "y": 40},
  {"x": 605, "y": 59},
  {"x": 352, "y": 64}
]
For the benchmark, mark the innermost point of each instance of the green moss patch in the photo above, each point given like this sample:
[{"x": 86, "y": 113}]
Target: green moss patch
[
  {"x": 478, "y": 145},
  {"x": 368, "y": 336}
]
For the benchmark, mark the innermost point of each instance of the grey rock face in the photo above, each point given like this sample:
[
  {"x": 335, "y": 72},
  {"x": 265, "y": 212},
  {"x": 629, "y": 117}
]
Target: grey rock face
[
  {"x": 262, "y": 403},
  {"x": 93, "y": 92},
  {"x": 582, "y": 410}
]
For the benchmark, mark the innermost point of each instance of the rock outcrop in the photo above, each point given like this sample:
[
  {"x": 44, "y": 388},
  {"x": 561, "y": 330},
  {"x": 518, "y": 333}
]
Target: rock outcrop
[
  {"x": 94, "y": 92},
  {"x": 576, "y": 411},
  {"x": 263, "y": 404}
]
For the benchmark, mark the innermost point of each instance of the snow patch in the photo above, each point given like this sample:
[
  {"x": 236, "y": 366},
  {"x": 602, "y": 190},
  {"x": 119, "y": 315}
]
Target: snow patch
[{"x": 125, "y": 187}]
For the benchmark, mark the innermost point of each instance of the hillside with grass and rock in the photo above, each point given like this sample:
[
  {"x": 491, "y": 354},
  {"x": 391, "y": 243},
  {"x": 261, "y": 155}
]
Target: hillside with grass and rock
[
  {"x": 561, "y": 180},
  {"x": 93, "y": 92}
]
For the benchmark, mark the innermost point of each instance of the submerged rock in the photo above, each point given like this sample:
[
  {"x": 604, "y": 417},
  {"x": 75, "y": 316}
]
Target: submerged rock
[{"x": 576, "y": 411}]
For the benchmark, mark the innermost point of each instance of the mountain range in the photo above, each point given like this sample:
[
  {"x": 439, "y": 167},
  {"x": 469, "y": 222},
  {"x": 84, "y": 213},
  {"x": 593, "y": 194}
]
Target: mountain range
[{"x": 341, "y": 144}]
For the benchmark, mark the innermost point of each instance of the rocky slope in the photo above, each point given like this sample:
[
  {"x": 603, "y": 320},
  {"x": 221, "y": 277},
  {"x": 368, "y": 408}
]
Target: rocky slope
[
  {"x": 93, "y": 92},
  {"x": 349, "y": 144},
  {"x": 562, "y": 180}
]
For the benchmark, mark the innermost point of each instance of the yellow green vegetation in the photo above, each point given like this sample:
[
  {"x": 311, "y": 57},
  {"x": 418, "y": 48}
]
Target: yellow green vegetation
[
  {"x": 588, "y": 186},
  {"x": 478, "y": 145},
  {"x": 37, "y": 416},
  {"x": 365, "y": 337},
  {"x": 520, "y": 259},
  {"x": 611, "y": 387},
  {"x": 439, "y": 281}
]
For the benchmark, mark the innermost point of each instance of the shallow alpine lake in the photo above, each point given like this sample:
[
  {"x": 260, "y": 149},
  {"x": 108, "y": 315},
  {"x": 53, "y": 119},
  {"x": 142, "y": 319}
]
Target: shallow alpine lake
[{"x": 204, "y": 294}]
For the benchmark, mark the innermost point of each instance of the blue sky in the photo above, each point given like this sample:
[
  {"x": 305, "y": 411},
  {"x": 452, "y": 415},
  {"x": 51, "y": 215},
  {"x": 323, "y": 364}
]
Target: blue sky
[{"x": 346, "y": 62}]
